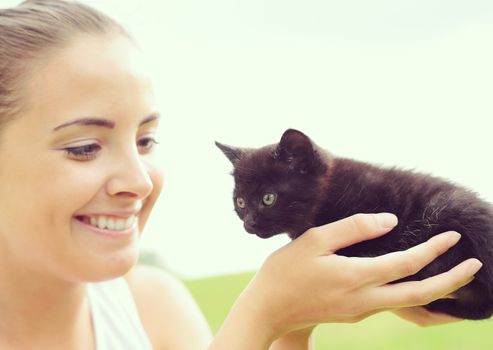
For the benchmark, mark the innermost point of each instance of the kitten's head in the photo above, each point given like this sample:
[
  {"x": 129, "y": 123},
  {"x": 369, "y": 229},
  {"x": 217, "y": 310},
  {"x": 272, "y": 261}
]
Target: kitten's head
[{"x": 278, "y": 187}]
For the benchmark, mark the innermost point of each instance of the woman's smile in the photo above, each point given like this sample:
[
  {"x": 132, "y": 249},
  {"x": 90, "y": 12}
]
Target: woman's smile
[{"x": 108, "y": 225}]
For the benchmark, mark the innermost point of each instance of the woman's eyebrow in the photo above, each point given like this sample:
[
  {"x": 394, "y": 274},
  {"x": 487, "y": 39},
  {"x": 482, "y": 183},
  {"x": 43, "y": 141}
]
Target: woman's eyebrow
[
  {"x": 102, "y": 122},
  {"x": 150, "y": 118},
  {"x": 87, "y": 121}
]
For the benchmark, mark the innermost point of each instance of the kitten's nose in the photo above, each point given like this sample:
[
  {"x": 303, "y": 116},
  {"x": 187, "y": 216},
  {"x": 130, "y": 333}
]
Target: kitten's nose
[{"x": 250, "y": 225}]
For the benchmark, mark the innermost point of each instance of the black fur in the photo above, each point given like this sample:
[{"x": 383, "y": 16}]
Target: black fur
[{"x": 312, "y": 188}]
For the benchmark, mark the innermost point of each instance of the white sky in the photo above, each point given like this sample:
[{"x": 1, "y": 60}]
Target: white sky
[{"x": 404, "y": 83}]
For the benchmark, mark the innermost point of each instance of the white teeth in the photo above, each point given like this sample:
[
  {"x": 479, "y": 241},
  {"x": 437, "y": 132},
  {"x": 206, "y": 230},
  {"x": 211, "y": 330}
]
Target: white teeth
[
  {"x": 120, "y": 225},
  {"x": 130, "y": 222},
  {"x": 110, "y": 223},
  {"x": 102, "y": 222}
]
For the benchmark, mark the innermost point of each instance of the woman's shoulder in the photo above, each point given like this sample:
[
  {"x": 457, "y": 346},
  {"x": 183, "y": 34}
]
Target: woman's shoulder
[{"x": 168, "y": 312}]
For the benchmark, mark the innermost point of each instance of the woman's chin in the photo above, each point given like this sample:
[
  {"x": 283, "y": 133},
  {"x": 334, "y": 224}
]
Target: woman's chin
[{"x": 110, "y": 267}]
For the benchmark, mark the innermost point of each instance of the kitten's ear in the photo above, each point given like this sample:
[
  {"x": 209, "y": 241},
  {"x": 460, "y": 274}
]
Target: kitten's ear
[
  {"x": 296, "y": 149},
  {"x": 234, "y": 154}
]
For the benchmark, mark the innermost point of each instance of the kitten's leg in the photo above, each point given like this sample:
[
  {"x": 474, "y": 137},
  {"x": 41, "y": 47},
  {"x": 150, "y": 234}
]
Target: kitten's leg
[{"x": 466, "y": 303}]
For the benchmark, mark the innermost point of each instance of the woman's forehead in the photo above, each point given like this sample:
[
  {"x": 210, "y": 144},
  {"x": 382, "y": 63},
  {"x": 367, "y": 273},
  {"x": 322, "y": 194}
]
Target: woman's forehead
[
  {"x": 91, "y": 58},
  {"x": 91, "y": 76},
  {"x": 92, "y": 53}
]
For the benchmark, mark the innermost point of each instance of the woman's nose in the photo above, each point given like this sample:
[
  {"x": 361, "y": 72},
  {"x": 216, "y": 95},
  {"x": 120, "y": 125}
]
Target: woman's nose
[{"x": 131, "y": 178}]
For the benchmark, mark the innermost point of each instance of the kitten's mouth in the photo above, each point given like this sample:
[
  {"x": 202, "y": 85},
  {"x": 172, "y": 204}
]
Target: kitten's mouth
[
  {"x": 264, "y": 235},
  {"x": 255, "y": 231}
]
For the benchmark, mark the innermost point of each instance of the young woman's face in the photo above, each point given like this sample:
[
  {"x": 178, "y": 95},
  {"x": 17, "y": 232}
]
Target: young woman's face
[{"x": 77, "y": 181}]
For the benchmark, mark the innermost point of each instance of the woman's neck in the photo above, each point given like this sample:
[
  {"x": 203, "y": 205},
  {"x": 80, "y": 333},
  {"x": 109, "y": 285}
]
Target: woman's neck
[{"x": 40, "y": 311}]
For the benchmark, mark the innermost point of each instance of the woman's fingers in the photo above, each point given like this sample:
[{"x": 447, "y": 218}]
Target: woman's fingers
[
  {"x": 397, "y": 265},
  {"x": 422, "y": 317},
  {"x": 415, "y": 293},
  {"x": 339, "y": 234}
]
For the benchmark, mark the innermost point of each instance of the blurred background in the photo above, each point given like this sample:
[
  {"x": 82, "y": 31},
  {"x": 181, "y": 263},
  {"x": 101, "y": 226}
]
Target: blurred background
[{"x": 405, "y": 83}]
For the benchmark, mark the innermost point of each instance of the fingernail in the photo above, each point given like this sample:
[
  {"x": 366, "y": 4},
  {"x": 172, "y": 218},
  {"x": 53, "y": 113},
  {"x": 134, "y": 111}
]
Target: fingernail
[
  {"x": 474, "y": 266},
  {"x": 453, "y": 238},
  {"x": 386, "y": 220}
]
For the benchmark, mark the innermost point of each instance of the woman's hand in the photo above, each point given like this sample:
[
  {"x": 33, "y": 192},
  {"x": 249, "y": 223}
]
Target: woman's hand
[{"x": 306, "y": 283}]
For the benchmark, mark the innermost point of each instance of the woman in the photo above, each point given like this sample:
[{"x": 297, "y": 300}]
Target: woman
[{"x": 77, "y": 184}]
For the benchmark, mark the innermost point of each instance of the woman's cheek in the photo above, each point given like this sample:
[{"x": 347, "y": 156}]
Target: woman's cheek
[{"x": 157, "y": 179}]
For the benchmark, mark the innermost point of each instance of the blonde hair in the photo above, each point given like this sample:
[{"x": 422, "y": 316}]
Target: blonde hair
[{"x": 34, "y": 29}]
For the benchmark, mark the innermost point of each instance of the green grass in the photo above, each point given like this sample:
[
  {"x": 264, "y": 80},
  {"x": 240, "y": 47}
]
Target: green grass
[{"x": 383, "y": 331}]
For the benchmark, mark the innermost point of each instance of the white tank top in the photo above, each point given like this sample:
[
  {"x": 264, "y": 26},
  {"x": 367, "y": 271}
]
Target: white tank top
[{"x": 115, "y": 318}]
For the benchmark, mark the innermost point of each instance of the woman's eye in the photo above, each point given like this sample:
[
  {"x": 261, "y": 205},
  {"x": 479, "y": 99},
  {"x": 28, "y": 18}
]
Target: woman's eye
[
  {"x": 269, "y": 199},
  {"x": 83, "y": 153},
  {"x": 147, "y": 143},
  {"x": 240, "y": 202}
]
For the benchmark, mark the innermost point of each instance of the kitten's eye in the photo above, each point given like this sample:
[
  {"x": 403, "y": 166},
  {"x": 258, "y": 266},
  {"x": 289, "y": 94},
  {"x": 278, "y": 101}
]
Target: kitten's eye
[
  {"x": 240, "y": 202},
  {"x": 269, "y": 199}
]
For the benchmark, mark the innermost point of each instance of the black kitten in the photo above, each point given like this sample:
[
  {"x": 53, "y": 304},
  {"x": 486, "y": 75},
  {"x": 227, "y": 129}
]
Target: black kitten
[{"x": 294, "y": 185}]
